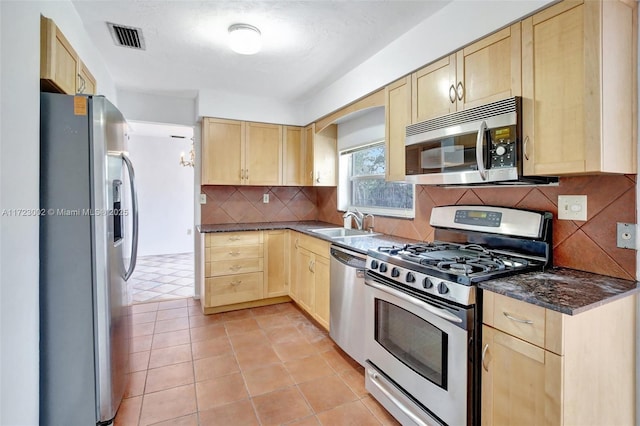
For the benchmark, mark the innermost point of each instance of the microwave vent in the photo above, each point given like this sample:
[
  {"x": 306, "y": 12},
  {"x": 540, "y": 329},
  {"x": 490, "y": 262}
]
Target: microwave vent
[{"x": 505, "y": 106}]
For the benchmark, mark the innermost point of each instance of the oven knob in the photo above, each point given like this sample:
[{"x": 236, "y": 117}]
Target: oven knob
[
  {"x": 442, "y": 288},
  {"x": 427, "y": 283},
  {"x": 374, "y": 264},
  {"x": 410, "y": 278},
  {"x": 383, "y": 267},
  {"x": 395, "y": 272}
]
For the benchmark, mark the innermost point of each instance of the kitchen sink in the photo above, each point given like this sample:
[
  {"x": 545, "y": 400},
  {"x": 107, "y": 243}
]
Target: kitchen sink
[{"x": 343, "y": 232}]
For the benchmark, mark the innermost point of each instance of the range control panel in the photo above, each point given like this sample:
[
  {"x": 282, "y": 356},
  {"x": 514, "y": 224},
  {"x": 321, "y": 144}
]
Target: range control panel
[{"x": 478, "y": 217}]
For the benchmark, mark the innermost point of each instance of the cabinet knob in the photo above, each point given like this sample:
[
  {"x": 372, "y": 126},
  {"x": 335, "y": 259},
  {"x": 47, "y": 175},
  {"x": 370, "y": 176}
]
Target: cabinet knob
[
  {"x": 452, "y": 93},
  {"x": 484, "y": 352},
  {"x": 460, "y": 91}
]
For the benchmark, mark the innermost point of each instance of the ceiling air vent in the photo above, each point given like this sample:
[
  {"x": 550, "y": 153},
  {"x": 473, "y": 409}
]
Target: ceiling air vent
[{"x": 126, "y": 36}]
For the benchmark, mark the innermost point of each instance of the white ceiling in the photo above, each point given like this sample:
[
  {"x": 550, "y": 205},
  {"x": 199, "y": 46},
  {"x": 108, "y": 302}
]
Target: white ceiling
[{"x": 307, "y": 45}]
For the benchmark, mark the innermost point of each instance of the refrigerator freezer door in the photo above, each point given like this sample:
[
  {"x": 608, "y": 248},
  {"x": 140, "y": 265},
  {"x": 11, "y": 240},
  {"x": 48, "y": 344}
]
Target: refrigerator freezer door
[{"x": 85, "y": 320}]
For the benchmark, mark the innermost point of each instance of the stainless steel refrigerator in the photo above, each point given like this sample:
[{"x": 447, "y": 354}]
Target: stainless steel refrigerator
[{"x": 88, "y": 245}]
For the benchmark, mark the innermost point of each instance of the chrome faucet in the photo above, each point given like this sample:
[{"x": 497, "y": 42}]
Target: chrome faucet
[
  {"x": 356, "y": 215},
  {"x": 372, "y": 224}
]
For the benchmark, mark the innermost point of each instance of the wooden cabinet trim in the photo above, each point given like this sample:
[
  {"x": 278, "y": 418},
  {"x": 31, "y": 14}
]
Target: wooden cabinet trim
[{"x": 375, "y": 99}]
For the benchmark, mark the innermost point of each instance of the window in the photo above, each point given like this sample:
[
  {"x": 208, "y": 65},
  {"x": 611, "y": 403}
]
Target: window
[{"x": 362, "y": 184}]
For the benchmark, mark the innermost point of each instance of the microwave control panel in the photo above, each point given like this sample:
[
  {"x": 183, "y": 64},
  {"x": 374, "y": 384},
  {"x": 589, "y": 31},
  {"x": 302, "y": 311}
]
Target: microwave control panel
[{"x": 502, "y": 152}]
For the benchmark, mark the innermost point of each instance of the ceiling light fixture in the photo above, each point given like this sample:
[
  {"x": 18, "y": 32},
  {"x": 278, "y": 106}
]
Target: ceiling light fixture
[{"x": 244, "y": 39}]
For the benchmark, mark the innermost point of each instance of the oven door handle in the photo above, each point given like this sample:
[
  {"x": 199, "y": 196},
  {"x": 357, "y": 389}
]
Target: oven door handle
[
  {"x": 400, "y": 295},
  {"x": 374, "y": 379}
]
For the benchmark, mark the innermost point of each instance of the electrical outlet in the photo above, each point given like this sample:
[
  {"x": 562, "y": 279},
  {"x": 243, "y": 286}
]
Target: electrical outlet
[
  {"x": 626, "y": 237},
  {"x": 265, "y": 198},
  {"x": 203, "y": 198},
  {"x": 572, "y": 207}
]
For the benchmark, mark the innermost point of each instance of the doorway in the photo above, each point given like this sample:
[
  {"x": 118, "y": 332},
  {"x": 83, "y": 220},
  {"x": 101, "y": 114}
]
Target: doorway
[{"x": 165, "y": 268}]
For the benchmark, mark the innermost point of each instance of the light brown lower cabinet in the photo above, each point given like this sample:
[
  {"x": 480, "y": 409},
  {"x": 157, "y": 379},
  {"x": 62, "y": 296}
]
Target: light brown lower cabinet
[
  {"x": 541, "y": 367},
  {"x": 244, "y": 269},
  {"x": 310, "y": 275}
]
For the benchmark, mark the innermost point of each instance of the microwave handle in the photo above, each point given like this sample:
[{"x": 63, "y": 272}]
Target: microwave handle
[{"x": 479, "y": 150}]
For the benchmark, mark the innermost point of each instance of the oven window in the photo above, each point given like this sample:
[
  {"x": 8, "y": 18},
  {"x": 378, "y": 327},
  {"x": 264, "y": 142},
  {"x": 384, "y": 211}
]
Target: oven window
[{"x": 415, "y": 342}]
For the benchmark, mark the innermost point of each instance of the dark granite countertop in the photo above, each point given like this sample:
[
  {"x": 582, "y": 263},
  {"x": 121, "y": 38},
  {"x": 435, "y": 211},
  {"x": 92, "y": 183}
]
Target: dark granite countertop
[
  {"x": 561, "y": 289},
  {"x": 358, "y": 244}
]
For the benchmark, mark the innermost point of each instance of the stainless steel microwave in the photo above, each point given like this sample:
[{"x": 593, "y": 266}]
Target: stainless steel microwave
[{"x": 481, "y": 145}]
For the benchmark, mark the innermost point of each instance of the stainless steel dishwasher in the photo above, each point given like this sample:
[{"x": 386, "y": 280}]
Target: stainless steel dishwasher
[{"x": 347, "y": 301}]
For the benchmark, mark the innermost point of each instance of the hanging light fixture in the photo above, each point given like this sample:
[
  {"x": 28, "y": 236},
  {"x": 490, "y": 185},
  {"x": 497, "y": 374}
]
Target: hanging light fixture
[
  {"x": 192, "y": 158},
  {"x": 244, "y": 39}
]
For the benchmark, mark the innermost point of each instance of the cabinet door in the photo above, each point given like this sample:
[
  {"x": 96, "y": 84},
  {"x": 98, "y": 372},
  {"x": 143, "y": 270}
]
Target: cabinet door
[
  {"x": 222, "y": 154},
  {"x": 397, "y": 117},
  {"x": 433, "y": 89},
  {"x": 553, "y": 89},
  {"x": 276, "y": 264},
  {"x": 325, "y": 157},
  {"x": 293, "y": 265},
  {"x": 305, "y": 284},
  {"x": 59, "y": 63},
  {"x": 309, "y": 137},
  {"x": 293, "y": 158},
  {"x": 321, "y": 290},
  {"x": 490, "y": 69},
  {"x": 86, "y": 81},
  {"x": 263, "y": 154},
  {"x": 520, "y": 382}
]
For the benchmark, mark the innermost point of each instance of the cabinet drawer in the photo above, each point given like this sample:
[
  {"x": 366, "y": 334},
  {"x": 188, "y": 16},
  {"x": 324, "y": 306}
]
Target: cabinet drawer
[
  {"x": 233, "y": 239},
  {"x": 314, "y": 245},
  {"x": 517, "y": 318},
  {"x": 230, "y": 267},
  {"x": 235, "y": 252},
  {"x": 231, "y": 289}
]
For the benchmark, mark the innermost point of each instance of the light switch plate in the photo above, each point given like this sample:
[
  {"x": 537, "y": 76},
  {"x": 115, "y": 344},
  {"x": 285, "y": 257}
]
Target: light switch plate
[
  {"x": 203, "y": 198},
  {"x": 626, "y": 235},
  {"x": 572, "y": 207}
]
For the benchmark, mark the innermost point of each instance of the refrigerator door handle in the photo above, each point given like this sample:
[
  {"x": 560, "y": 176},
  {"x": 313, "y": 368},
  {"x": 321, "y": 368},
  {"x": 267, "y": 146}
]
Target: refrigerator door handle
[{"x": 134, "y": 208}]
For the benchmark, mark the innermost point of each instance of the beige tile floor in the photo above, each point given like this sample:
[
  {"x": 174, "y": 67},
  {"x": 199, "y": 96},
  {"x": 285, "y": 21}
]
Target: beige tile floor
[
  {"x": 162, "y": 277},
  {"x": 260, "y": 366}
]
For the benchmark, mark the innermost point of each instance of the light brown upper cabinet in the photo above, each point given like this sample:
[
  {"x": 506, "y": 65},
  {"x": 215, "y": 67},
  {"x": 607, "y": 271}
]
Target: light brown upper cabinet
[
  {"x": 241, "y": 153},
  {"x": 61, "y": 69},
  {"x": 397, "y": 117},
  {"x": 321, "y": 156},
  {"x": 293, "y": 156},
  {"x": 579, "y": 67},
  {"x": 263, "y": 154},
  {"x": 483, "y": 72}
]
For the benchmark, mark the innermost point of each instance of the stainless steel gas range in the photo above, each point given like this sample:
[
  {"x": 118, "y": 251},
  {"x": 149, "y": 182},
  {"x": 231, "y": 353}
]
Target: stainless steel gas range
[{"x": 422, "y": 313}]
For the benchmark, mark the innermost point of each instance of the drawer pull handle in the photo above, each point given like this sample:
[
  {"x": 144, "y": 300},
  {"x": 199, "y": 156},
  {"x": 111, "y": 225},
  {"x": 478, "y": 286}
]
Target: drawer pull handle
[
  {"x": 235, "y": 267},
  {"x": 235, "y": 283},
  {"x": 484, "y": 352},
  {"x": 234, "y": 238},
  {"x": 234, "y": 253},
  {"x": 512, "y": 318}
]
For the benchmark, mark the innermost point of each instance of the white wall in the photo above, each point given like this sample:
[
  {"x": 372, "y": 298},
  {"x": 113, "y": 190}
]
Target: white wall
[
  {"x": 455, "y": 25},
  {"x": 165, "y": 194},
  {"x": 19, "y": 189},
  {"x": 220, "y": 104},
  {"x": 157, "y": 108}
]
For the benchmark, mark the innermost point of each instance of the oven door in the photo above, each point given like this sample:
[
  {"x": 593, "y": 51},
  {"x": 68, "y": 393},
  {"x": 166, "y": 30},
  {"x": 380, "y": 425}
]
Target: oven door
[{"x": 417, "y": 355}]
